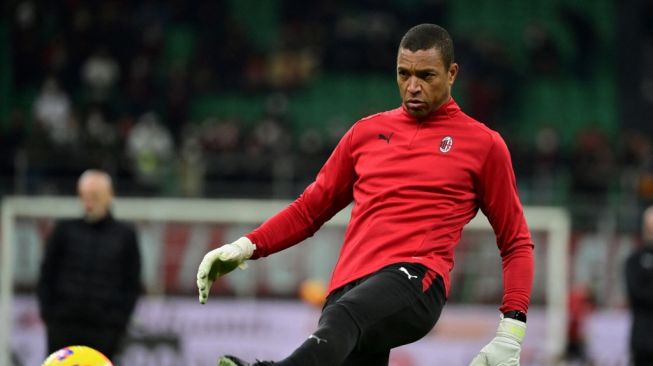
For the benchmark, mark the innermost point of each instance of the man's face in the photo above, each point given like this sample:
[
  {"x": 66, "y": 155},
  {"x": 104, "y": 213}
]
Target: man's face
[
  {"x": 424, "y": 81},
  {"x": 95, "y": 195}
]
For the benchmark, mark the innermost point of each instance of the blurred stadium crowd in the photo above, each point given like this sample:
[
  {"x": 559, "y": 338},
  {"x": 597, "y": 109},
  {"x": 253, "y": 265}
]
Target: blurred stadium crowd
[{"x": 246, "y": 98}]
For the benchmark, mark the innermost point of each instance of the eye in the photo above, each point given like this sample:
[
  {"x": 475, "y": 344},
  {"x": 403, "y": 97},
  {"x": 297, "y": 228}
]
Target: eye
[
  {"x": 402, "y": 73},
  {"x": 428, "y": 75}
]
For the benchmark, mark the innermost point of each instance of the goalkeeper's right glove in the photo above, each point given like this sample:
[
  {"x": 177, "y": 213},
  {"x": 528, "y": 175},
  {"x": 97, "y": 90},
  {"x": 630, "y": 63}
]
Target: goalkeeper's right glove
[{"x": 221, "y": 261}]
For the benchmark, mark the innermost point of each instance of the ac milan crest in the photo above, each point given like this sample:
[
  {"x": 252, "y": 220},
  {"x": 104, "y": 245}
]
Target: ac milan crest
[{"x": 446, "y": 144}]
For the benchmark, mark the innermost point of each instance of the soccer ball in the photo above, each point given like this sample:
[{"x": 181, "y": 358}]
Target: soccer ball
[{"x": 77, "y": 356}]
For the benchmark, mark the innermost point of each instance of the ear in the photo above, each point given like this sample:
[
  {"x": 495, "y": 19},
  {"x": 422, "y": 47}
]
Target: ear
[{"x": 453, "y": 72}]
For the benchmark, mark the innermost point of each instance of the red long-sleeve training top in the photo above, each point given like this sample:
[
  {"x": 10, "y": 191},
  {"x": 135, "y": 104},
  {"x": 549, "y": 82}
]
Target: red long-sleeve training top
[{"x": 414, "y": 185}]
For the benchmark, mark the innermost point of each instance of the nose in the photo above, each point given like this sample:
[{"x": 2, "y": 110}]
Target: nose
[{"x": 413, "y": 85}]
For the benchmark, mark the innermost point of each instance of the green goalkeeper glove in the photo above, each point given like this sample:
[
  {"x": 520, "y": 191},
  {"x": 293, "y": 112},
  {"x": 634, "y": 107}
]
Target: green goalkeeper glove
[
  {"x": 504, "y": 349},
  {"x": 221, "y": 261}
]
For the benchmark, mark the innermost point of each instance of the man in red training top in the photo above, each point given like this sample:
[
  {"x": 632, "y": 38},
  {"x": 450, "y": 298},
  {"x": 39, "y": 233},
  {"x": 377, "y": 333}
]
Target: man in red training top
[{"x": 416, "y": 175}]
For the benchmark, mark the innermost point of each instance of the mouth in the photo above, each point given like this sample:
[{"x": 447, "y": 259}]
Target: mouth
[{"x": 415, "y": 104}]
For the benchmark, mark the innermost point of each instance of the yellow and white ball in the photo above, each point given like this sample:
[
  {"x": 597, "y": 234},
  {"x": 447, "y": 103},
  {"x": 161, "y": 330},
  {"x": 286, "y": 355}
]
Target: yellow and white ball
[{"x": 77, "y": 356}]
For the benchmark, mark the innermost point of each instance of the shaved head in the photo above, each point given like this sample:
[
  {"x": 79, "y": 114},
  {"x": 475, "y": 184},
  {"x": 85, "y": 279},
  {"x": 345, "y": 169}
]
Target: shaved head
[{"x": 96, "y": 193}]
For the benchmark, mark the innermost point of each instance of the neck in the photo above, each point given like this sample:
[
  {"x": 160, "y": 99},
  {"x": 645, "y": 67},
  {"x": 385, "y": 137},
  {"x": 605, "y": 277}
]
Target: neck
[{"x": 96, "y": 219}]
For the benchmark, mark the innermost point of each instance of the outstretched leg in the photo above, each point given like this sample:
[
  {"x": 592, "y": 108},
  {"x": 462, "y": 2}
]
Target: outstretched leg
[{"x": 361, "y": 322}]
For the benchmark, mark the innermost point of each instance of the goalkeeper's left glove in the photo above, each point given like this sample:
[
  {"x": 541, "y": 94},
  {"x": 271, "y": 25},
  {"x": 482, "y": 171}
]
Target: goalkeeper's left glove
[
  {"x": 221, "y": 261},
  {"x": 504, "y": 349}
]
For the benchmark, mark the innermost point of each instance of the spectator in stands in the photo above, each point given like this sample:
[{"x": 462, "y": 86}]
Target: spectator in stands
[
  {"x": 52, "y": 112},
  {"x": 90, "y": 275},
  {"x": 636, "y": 171},
  {"x": 492, "y": 83},
  {"x": 639, "y": 286},
  {"x": 583, "y": 34},
  {"x": 543, "y": 53},
  {"x": 102, "y": 141},
  {"x": 546, "y": 163},
  {"x": 592, "y": 170},
  {"x": 150, "y": 148},
  {"x": 100, "y": 74}
]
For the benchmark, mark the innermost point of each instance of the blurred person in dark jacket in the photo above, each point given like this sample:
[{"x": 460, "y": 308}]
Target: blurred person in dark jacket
[
  {"x": 639, "y": 285},
  {"x": 90, "y": 275}
]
